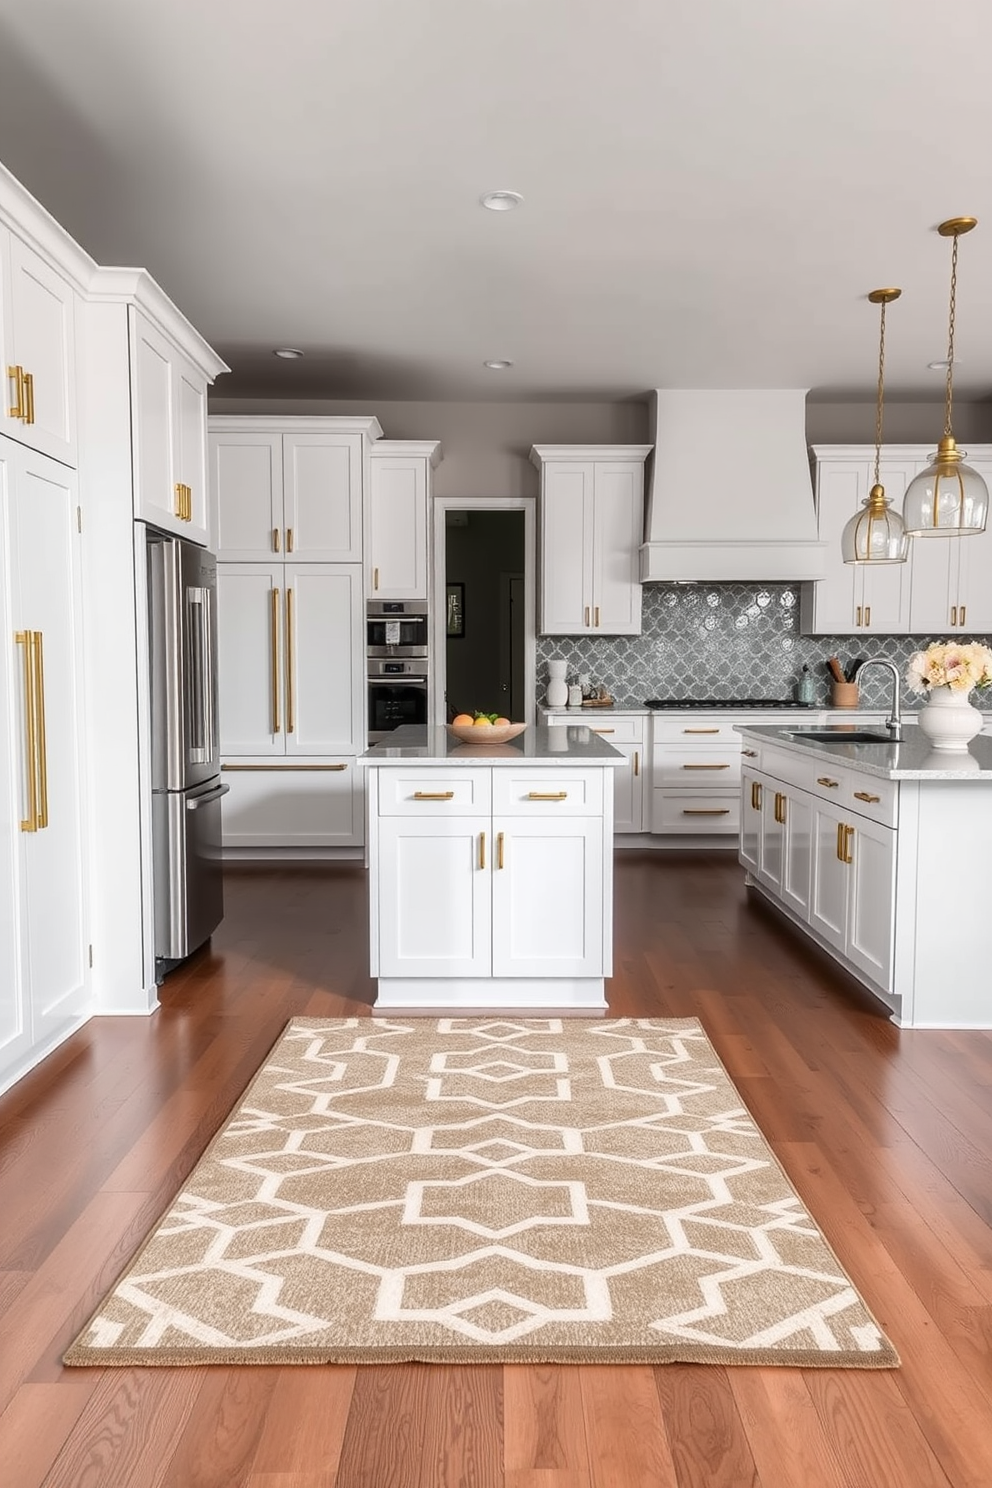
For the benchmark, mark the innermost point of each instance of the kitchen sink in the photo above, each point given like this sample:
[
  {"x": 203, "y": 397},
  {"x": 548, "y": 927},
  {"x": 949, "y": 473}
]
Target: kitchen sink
[{"x": 842, "y": 735}]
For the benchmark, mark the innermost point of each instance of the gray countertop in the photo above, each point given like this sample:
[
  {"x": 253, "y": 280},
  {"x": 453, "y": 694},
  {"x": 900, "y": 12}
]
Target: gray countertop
[
  {"x": 539, "y": 747},
  {"x": 912, "y": 759}
]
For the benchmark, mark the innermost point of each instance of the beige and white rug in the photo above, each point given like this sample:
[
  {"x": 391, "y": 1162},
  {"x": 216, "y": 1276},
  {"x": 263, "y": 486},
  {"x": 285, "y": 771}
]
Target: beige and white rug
[{"x": 487, "y": 1189}]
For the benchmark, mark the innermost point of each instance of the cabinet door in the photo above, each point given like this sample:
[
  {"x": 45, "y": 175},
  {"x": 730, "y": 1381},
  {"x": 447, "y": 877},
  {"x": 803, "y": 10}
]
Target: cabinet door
[
  {"x": 250, "y": 651},
  {"x": 46, "y": 616},
  {"x": 749, "y": 852},
  {"x": 974, "y": 578},
  {"x": 15, "y": 1007},
  {"x": 618, "y": 525},
  {"x": 547, "y": 894},
  {"x": 153, "y": 421},
  {"x": 322, "y": 497},
  {"x": 397, "y": 529},
  {"x": 797, "y": 860},
  {"x": 772, "y": 851},
  {"x": 883, "y": 606},
  {"x": 566, "y": 547},
  {"x": 434, "y": 896},
  {"x": 38, "y": 336},
  {"x": 854, "y": 597},
  {"x": 190, "y": 403},
  {"x": 246, "y": 496},
  {"x": 324, "y": 658},
  {"x": 317, "y": 804},
  {"x": 829, "y": 887},
  {"x": 871, "y": 874},
  {"x": 628, "y": 789}
]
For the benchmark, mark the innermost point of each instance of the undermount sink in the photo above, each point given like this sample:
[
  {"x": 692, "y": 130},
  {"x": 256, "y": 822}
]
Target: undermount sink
[{"x": 842, "y": 735}]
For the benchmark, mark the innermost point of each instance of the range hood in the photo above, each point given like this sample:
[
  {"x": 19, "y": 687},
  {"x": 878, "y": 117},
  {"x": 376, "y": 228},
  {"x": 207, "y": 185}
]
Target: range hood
[{"x": 731, "y": 495}]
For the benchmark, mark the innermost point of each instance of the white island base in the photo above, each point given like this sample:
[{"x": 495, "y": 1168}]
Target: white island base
[{"x": 491, "y": 872}]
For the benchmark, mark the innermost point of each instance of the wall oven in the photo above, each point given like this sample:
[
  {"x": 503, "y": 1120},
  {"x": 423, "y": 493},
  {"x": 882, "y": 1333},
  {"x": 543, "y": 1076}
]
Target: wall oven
[
  {"x": 396, "y": 627},
  {"x": 397, "y": 664}
]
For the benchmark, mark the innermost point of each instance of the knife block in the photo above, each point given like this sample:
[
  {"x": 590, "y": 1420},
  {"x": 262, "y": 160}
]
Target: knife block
[{"x": 844, "y": 695}]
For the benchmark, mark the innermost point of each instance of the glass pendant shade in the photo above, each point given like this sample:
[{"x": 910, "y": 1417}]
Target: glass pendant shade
[
  {"x": 947, "y": 499},
  {"x": 875, "y": 534}
]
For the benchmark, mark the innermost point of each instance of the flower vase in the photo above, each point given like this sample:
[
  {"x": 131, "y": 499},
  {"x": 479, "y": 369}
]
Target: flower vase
[
  {"x": 949, "y": 720},
  {"x": 557, "y": 694}
]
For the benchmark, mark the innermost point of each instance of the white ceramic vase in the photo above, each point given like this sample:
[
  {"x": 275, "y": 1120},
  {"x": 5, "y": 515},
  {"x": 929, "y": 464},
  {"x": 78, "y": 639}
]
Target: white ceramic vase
[
  {"x": 557, "y": 694},
  {"x": 949, "y": 720}
]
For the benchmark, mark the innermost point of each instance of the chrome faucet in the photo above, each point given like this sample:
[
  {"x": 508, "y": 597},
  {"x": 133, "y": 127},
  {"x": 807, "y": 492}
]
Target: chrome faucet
[{"x": 894, "y": 722}]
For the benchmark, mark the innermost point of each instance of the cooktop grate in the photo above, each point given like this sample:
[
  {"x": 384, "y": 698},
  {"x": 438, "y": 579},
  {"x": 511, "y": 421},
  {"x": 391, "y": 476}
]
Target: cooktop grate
[{"x": 738, "y": 703}]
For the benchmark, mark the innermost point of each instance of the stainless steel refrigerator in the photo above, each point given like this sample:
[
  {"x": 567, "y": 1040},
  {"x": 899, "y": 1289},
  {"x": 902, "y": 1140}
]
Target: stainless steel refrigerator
[{"x": 185, "y": 751}]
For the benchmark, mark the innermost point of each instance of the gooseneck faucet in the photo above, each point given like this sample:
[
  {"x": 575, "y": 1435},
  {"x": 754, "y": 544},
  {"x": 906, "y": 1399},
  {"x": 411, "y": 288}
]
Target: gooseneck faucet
[{"x": 894, "y": 721}]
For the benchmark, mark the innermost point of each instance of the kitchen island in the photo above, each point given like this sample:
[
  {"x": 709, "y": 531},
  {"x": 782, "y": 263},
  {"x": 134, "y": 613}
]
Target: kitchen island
[
  {"x": 881, "y": 852},
  {"x": 490, "y": 870}
]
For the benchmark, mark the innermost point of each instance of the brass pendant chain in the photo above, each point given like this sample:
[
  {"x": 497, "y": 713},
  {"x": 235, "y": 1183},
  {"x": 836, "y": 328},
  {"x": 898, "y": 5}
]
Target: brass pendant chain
[
  {"x": 950, "y": 340},
  {"x": 878, "y": 404}
]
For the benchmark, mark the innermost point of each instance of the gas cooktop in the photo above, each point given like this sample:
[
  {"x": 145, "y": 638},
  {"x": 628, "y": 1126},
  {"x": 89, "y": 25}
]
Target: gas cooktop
[{"x": 739, "y": 703}]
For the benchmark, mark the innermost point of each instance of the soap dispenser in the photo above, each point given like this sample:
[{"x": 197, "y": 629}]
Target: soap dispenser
[{"x": 805, "y": 687}]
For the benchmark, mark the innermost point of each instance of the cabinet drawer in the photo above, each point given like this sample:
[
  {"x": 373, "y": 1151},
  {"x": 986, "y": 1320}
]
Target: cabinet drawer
[
  {"x": 405, "y": 792},
  {"x": 564, "y": 792},
  {"x": 688, "y": 811},
  {"x": 696, "y": 729},
  {"x": 697, "y": 768},
  {"x": 615, "y": 728},
  {"x": 877, "y": 799}
]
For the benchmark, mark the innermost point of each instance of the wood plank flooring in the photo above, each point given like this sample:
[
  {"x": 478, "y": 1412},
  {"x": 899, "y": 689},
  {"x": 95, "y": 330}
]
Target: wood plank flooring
[{"x": 887, "y": 1134}]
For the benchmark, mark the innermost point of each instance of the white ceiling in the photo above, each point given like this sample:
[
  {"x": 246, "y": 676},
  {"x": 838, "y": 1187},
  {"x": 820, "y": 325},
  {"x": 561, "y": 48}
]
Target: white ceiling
[{"x": 711, "y": 186}]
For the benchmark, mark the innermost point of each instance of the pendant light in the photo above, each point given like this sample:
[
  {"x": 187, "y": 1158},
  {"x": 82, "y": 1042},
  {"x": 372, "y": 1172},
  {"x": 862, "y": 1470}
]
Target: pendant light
[
  {"x": 876, "y": 533},
  {"x": 948, "y": 499}
]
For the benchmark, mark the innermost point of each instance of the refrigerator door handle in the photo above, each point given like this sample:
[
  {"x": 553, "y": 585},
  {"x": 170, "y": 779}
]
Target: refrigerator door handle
[
  {"x": 207, "y": 798},
  {"x": 200, "y": 712}
]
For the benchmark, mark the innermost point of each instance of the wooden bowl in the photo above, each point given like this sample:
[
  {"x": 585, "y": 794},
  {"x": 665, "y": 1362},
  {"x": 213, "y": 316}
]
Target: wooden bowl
[{"x": 485, "y": 733}]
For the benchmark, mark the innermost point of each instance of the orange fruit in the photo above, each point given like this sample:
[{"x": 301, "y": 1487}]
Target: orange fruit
[
  {"x": 463, "y": 718},
  {"x": 501, "y": 722},
  {"x": 482, "y": 723}
]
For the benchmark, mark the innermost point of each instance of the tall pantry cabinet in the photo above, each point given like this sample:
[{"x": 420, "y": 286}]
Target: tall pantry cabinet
[{"x": 286, "y": 501}]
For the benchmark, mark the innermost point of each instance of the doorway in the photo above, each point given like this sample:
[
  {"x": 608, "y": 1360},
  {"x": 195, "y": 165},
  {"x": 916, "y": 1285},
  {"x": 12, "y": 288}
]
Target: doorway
[{"x": 484, "y": 608}]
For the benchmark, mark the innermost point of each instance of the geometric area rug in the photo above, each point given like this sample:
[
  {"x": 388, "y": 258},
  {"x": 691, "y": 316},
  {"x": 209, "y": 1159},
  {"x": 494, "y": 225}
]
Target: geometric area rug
[{"x": 480, "y": 1190}]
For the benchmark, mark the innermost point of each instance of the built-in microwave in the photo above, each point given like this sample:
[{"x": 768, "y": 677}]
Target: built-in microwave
[
  {"x": 396, "y": 627},
  {"x": 397, "y": 695}
]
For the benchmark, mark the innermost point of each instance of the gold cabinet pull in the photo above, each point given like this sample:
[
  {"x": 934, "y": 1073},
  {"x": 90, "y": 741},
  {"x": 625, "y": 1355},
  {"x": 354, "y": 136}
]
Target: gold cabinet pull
[
  {"x": 184, "y": 502},
  {"x": 30, "y": 822},
  {"x": 290, "y": 660},
  {"x": 865, "y": 796},
  {"x": 28, "y": 398},
  {"x": 433, "y": 795},
  {"x": 840, "y": 841},
  {"x": 597, "y": 617},
  {"x": 858, "y": 617},
  {"x": 275, "y": 539},
  {"x": 586, "y": 622},
  {"x": 499, "y": 849},
  {"x": 637, "y": 762},
  {"x": 289, "y": 539},
  {"x": 825, "y": 780},
  {"x": 482, "y": 849},
  {"x": 604, "y": 731},
  {"x": 845, "y": 856},
  {"x": 750, "y": 753},
  {"x": 780, "y": 808},
  {"x": 961, "y": 615},
  {"x": 275, "y": 661},
  {"x": 37, "y": 642},
  {"x": 954, "y": 614},
  {"x": 179, "y": 501},
  {"x": 16, "y": 376},
  {"x": 701, "y": 731},
  {"x": 284, "y": 767},
  {"x": 375, "y": 578},
  {"x": 547, "y": 795},
  {"x": 756, "y": 794},
  {"x": 867, "y": 614},
  {"x": 706, "y": 767},
  {"x": 705, "y": 810}
]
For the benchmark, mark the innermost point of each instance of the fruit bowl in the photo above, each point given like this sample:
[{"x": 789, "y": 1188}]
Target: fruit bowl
[{"x": 485, "y": 733}]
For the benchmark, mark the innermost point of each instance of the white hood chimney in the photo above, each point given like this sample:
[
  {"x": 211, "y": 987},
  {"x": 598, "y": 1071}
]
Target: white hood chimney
[{"x": 731, "y": 495}]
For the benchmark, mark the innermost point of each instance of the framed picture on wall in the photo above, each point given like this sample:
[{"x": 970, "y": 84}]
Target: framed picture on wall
[{"x": 456, "y": 610}]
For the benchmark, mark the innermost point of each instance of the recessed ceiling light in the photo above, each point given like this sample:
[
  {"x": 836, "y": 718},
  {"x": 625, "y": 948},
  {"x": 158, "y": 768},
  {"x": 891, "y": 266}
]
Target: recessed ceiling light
[
  {"x": 501, "y": 201},
  {"x": 289, "y": 352},
  {"x": 498, "y": 365}
]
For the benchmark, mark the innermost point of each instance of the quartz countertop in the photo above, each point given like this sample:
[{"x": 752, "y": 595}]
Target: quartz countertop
[
  {"x": 543, "y": 748},
  {"x": 911, "y": 759}
]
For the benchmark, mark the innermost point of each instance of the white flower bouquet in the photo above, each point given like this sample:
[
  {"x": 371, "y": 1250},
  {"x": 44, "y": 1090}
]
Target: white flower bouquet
[{"x": 957, "y": 665}]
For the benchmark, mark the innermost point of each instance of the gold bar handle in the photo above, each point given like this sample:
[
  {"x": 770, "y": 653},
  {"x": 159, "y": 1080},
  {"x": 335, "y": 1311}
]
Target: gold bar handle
[
  {"x": 16, "y": 376},
  {"x": 701, "y": 731},
  {"x": 865, "y": 796},
  {"x": 961, "y": 614},
  {"x": 586, "y": 621},
  {"x": 858, "y": 620},
  {"x": 482, "y": 849},
  {"x": 954, "y": 614},
  {"x": 29, "y": 397},
  {"x": 705, "y": 810},
  {"x": 30, "y": 823},
  {"x": 179, "y": 501},
  {"x": 706, "y": 767},
  {"x": 597, "y": 617},
  {"x": 845, "y": 856},
  {"x": 290, "y": 662},
  {"x": 637, "y": 762},
  {"x": 780, "y": 808},
  {"x": 284, "y": 767},
  {"x": 375, "y": 578},
  {"x": 756, "y": 794},
  {"x": 867, "y": 614},
  {"x": 499, "y": 849},
  {"x": 289, "y": 539},
  {"x": 433, "y": 795},
  {"x": 38, "y": 646},
  {"x": 275, "y": 540},
  {"x": 840, "y": 841},
  {"x": 276, "y": 725},
  {"x": 547, "y": 795},
  {"x": 604, "y": 731},
  {"x": 825, "y": 780}
]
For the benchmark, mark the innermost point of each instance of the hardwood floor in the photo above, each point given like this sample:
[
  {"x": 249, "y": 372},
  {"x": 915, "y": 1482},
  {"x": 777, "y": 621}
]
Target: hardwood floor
[{"x": 887, "y": 1135}]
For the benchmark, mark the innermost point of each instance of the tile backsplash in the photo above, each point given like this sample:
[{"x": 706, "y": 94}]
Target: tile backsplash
[{"x": 722, "y": 641}]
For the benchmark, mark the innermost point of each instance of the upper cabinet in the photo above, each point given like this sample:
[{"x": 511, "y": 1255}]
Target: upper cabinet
[
  {"x": 292, "y": 487},
  {"x": 168, "y": 435},
  {"x": 396, "y": 560},
  {"x": 944, "y": 587},
  {"x": 591, "y": 529},
  {"x": 37, "y": 339}
]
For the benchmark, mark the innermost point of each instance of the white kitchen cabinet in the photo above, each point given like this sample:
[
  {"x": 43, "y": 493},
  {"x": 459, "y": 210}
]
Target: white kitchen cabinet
[
  {"x": 168, "y": 433},
  {"x": 396, "y": 561},
  {"x": 853, "y": 889},
  {"x": 626, "y": 733},
  {"x": 37, "y": 343},
  {"x": 290, "y": 487},
  {"x": 292, "y": 805},
  {"x": 952, "y": 578},
  {"x": 591, "y": 528},
  {"x": 44, "y": 992}
]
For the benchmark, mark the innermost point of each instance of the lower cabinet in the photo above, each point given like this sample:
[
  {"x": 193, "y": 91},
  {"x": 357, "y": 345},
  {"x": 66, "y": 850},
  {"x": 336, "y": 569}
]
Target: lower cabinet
[
  {"x": 314, "y": 804},
  {"x": 44, "y": 965},
  {"x": 626, "y": 733}
]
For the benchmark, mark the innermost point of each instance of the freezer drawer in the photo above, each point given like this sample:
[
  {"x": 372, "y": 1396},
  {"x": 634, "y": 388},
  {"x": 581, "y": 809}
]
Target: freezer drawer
[{"x": 188, "y": 887}]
